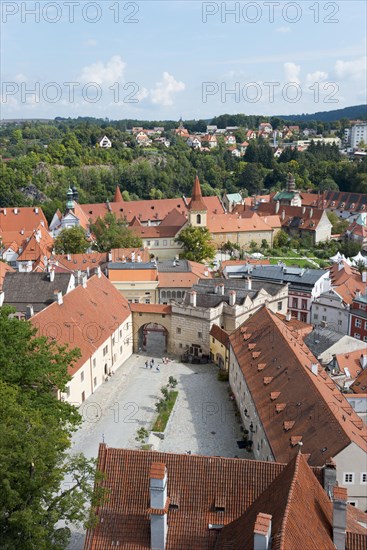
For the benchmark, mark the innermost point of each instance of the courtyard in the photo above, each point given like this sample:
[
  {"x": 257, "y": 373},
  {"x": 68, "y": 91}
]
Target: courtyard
[{"x": 203, "y": 420}]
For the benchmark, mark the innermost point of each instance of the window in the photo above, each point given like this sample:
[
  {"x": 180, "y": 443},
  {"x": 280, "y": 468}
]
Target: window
[
  {"x": 147, "y": 300},
  {"x": 349, "y": 478},
  {"x": 198, "y": 218},
  {"x": 95, "y": 381},
  {"x": 178, "y": 330},
  {"x": 113, "y": 340},
  {"x": 94, "y": 362},
  {"x": 279, "y": 306},
  {"x": 324, "y": 317},
  {"x": 82, "y": 376},
  {"x": 105, "y": 350},
  {"x": 163, "y": 294},
  {"x": 365, "y": 325},
  {"x": 358, "y": 323},
  {"x": 295, "y": 303},
  {"x": 363, "y": 477},
  {"x": 164, "y": 242},
  {"x": 304, "y": 304},
  {"x": 213, "y": 340},
  {"x": 148, "y": 243},
  {"x": 156, "y": 243},
  {"x": 364, "y": 338},
  {"x": 180, "y": 345},
  {"x": 340, "y": 322},
  {"x": 357, "y": 335},
  {"x": 68, "y": 393},
  {"x": 315, "y": 316},
  {"x": 120, "y": 333},
  {"x": 200, "y": 335},
  {"x": 172, "y": 242}
]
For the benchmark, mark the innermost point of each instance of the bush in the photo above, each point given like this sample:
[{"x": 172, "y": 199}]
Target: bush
[{"x": 223, "y": 376}]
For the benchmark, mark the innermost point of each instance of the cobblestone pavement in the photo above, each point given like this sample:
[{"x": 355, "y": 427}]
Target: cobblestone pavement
[{"x": 203, "y": 419}]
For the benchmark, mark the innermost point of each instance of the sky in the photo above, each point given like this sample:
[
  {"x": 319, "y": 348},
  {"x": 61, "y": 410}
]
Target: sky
[{"x": 158, "y": 60}]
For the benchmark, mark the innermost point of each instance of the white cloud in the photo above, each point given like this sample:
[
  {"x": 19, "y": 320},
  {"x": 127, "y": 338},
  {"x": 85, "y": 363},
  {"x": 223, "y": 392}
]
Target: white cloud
[
  {"x": 317, "y": 76},
  {"x": 351, "y": 69},
  {"x": 292, "y": 72},
  {"x": 283, "y": 29},
  {"x": 163, "y": 91},
  {"x": 141, "y": 94},
  {"x": 104, "y": 74},
  {"x": 20, "y": 77}
]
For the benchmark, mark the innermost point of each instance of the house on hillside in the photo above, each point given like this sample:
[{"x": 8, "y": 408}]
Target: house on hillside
[{"x": 104, "y": 142}]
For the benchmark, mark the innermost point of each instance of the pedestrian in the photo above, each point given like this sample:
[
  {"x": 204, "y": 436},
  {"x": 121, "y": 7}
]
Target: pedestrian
[
  {"x": 151, "y": 365},
  {"x": 157, "y": 369},
  {"x": 152, "y": 361},
  {"x": 146, "y": 364}
]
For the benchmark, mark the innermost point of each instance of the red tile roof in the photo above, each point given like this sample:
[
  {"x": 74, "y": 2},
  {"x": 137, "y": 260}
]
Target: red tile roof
[
  {"x": 322, "y": 415},
  {"x": 95, "y": 311},
  {"x": 27, "y": 218},
  {"x": 311, "y": 217},
  {"x": 234, "y": 223},
  {"x": 76, "y": 262},
  {"x": 360, "y": 384},
  {"x": 219, "y": 334},
  {"x": 197, "y": 202},
  {"x": 300, "y": 510},
  {"x": 206, "y": 490},
  {"x": 118, "y": 196}
]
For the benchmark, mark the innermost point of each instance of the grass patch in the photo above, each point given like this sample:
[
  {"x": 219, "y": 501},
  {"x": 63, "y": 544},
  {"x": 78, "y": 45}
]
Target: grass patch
[
  {"x": 292, "y": 263},
  {"x": 161, "y": 422}
]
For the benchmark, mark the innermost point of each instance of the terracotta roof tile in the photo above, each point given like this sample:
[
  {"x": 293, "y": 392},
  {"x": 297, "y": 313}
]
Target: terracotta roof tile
[
  {"x": 151, "y": 308},
  {"x": 220, "y": 335},
  {"x": 288, "y": 363},
  {"x": 196, "y": 485}
]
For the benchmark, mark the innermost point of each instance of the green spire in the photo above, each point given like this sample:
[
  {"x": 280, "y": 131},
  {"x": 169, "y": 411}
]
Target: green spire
[{"x": 70, "y": 199}]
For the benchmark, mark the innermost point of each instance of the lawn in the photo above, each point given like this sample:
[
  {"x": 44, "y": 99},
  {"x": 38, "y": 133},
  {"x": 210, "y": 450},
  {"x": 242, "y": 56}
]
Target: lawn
[
  {"x": 161, "y": 422},
  {"x": 292, "y": 263}
]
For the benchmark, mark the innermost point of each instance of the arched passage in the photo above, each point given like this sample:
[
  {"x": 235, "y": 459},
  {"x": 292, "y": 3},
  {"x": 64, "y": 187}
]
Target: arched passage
[{"x": 153, "y": 338}]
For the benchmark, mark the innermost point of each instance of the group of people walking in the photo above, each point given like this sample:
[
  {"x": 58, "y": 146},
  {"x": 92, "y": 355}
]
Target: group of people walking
[{"x": 151, "y": 365}]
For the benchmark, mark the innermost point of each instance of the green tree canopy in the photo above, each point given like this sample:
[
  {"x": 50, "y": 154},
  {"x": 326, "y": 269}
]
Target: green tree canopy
[
  {"x": 111, "y": 232},
  {"x": 196, "y": 242},
  {"x": 281, "y": 239},
  {"x": 36, "y": 431},
  {"x": 72, "y": 240}
]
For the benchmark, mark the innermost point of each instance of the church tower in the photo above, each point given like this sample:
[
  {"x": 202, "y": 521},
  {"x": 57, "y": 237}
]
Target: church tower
[
  {"x": 69, "y": 200},
  {"x": 197, "y": 208}
]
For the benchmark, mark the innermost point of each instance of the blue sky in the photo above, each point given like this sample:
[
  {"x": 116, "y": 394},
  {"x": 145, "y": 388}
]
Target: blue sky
[{"x": 160, "y": 59}]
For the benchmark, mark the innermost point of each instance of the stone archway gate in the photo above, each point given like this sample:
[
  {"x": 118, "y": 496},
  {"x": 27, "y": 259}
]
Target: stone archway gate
[{"x": 144, "y": 314}]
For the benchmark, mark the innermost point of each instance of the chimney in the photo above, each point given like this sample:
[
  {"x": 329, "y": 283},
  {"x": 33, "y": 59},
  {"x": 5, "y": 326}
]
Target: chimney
[
  {"x": 68, "y": 257},
  {"x": 232, "y": 298},
  {"x": 52, "y": 275},
  {"x": 329, "y": 477},
  {"x": 288, "y": 316},
  {"x": 221, "y": 289},
  {"x": 36, "y": 210},
  {"x": 98, "y": 272},
  {"x": 193, "y": 295},
  {"x": 311, "y": 212},
  {"x": 58, "y": 297},
  {"x": 29, "y": 311},
  {"x": 149, "y": 224},
  {"x": 84, "y": 278},
  {"x": 248, "y": 284},
  {"x": 206, "y": 273},
  {"x": 22, "y": 233},
  {"x": 4, "y": 211},
  {"x": 303, "y": 209},
  {"x": 2, "y": 297},
  {"x": 364, "y": 276},
  {"x": 88, "y": 271},
  {"x": 139, "y": 258},
  {"x": 277, "y": 204},
  {"x": 15, "y": 211},
  {"x": 110, "y": 256},
  {"x": 340, "y": 495},
  {"x": 158, "y": 506},
  {"x": 283, "y": 215},
  {"x": 262, "y": 532},
  {"x": 363, "y": 361}
]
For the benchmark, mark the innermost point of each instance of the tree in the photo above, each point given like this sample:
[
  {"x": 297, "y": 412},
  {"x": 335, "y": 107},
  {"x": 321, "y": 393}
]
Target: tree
[
  {"x": 338, "y": 226},
  {"x": 111, "y": 232},
  {"x": 196, "y": 242},
  {"x": 280, "y": 239},
  {"x": 36, "y": 431},
  {"x": 72, "y": 241}
]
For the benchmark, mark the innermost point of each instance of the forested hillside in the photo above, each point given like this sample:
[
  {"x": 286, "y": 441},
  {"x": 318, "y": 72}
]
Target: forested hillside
[{"x": 39, "y": 161}]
